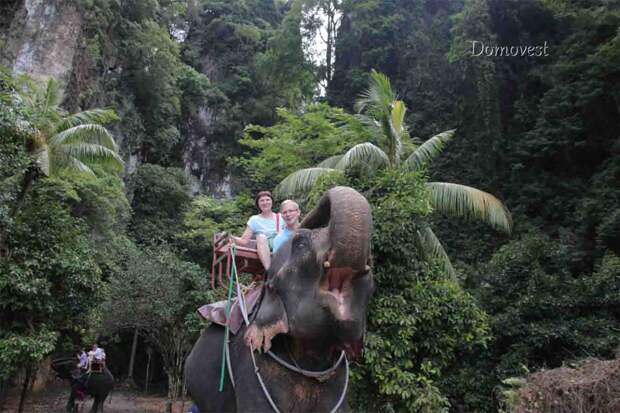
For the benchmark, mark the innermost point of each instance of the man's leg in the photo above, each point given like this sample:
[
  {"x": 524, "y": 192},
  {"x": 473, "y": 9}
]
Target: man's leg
[{"x": 262, "y": 248}]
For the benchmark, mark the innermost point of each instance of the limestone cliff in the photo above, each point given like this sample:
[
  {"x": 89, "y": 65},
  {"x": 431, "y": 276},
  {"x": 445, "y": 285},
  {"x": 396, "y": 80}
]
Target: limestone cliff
[
  {"x": 55, "y": 39},
  {"x": 42, "y": 38}
]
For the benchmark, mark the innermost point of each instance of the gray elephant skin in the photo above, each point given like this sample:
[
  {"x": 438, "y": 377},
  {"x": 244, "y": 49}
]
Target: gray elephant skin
[
  {"x": 313, "y": 306},
  {"x": 97, "y": 385}
]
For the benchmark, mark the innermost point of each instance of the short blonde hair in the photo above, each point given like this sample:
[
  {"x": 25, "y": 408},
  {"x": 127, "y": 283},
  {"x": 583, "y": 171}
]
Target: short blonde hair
[{"x": 288, "y": 201}]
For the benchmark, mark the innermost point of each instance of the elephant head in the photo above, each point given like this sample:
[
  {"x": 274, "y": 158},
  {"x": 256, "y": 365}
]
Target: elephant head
[{"x": 320, "y": 282}]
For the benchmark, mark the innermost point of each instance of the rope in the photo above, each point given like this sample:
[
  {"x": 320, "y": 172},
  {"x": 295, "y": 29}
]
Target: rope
[
  {"x": 227, "y": 329},
  {"x": 320, "y": 376},
  {"x": 273, "y": 404}
]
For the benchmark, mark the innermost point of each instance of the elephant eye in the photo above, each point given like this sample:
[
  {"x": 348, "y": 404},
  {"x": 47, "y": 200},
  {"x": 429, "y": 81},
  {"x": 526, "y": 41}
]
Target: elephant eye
[{"x": 300, "y": 242}]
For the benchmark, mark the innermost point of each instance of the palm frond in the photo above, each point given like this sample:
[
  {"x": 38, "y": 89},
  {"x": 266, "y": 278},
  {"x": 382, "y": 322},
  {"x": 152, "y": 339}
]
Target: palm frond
[
  {"x": 430, "y": 247},
  {"x": 367, "y": 120},
  {"x": 399, "y": 109},
  {"x": 471, "y": 203},
  {"x": 372, "y": 127},
  {"x": 429, "y": 150},
  {"x": 74, "y": 164},
  {"x": 91, "y": 153},
  {"x": 52, "y": 97},
  {"x": 301, "y": 181},
  {"x": 330, "y": 162},
  {"x": 95, "y": 116},
  {"x": 397, "y": 130},
  {"x": 363, "y": 153},
  {"x": 378, "y": 98},
  {"x": 89, "y": 133}
]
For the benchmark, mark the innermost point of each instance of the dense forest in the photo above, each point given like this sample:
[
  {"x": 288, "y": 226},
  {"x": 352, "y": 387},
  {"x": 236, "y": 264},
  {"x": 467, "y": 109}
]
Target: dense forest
[{"x": 132, "y": 135}]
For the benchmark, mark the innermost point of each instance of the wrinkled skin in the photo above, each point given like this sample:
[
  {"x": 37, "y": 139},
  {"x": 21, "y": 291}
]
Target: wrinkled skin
[
  {"x": 313, "y": 305},
  {"x": 97, "y": 385}
]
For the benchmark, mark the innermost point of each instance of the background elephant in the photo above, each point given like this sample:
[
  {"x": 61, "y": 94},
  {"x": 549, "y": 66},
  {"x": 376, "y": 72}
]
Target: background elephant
[
  {"x": 313, "y": 306},
  {"x": 97, "y": 385}
]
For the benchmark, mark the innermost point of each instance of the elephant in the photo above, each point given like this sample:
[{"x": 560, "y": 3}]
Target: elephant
[
  {"x": 96, "y": 384},
  {"x": 312, "y": 311}
]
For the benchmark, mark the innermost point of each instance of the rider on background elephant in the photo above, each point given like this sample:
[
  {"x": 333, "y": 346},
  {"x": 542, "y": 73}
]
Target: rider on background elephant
[
  {"x": 313, "y": 306},
  {"x": 96, "y": 384}
]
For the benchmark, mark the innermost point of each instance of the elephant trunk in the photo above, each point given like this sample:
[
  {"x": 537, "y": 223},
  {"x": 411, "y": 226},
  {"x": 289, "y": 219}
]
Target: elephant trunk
[{"x": 347, "y": 215}]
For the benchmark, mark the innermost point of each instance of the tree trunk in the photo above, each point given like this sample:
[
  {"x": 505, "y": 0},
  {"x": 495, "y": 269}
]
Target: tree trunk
[
  {"x": 149, "y": 353},
  {"x": 22, "y": 397},
  {"x": 30, "y": 176},
  {"x": 330, "y": 41},
  {"x": 132, "y": 357}
]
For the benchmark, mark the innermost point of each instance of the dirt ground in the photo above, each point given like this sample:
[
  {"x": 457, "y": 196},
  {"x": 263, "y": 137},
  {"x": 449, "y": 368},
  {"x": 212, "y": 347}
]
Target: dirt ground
[{"x": 54, "y": 397}]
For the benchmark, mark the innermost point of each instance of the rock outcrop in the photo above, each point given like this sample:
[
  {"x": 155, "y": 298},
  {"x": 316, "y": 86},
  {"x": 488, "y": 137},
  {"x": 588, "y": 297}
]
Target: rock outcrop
[{"x": 42, "y": 39}]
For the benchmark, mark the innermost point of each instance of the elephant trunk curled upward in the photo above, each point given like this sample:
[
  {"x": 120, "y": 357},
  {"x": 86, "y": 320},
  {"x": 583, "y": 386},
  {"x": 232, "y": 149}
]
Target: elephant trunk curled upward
[{"x": 313, "y": 306}]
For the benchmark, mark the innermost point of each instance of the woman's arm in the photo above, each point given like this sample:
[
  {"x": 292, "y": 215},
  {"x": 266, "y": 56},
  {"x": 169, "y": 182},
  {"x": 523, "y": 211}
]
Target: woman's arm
[{"x": 247, "y": 236}]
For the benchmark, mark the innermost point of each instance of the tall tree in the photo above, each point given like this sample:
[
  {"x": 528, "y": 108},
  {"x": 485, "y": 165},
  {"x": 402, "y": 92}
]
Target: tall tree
[
  {"x": 384, "y": 114},
  {"x": 158, "y": 293},
  {"x": 59, "y": 141},
  {"x": 56, "y": 141},
  {"x": 321, "y": 23}
]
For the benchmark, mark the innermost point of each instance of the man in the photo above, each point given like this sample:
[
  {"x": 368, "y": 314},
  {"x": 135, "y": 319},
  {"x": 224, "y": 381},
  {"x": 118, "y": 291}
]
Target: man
[
  {"x": 83, "y": 359},
  {"x": 290, "y": 214},
  {"x": 96, "y": 358}
]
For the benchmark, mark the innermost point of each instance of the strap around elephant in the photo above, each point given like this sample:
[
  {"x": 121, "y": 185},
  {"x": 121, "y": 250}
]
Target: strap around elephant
[
  {"x": 273, "y": 404},
  {"x": 318, "y": 375}
]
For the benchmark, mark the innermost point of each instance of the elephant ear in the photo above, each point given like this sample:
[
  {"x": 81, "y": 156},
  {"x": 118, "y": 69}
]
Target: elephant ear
[{"x": 270, "y": 321}]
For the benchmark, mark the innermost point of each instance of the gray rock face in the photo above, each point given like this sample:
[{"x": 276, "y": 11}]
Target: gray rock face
[
  {"x": 205, "y": 173},
  {"x": 42, "y": 39}
]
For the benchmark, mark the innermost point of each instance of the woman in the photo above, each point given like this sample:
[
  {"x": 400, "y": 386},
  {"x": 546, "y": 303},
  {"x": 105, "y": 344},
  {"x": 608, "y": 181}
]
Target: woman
[{"x": 264, "y": 227}]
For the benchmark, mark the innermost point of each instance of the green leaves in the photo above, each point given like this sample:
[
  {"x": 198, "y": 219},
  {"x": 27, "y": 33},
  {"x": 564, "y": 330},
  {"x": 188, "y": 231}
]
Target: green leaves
[
  {"x": 18, "y": 351},
  {"x": 431, "y": 248},
  {"x": 377, "y": 100},
  {"x": 428, "y": 151},
  {"x": 420, "y": 318},
  {"x": 160, "y": 197},
  {"x": 61, "y": 141},
  {"x": 541, "y": 314},
  {"x": 379, "y": 103},
  {"x": 467, "y": 202},
  {"x": 365, "y": 154},
  {"x": 298, "y": 141},
  {"x": 302, "y": 181},
  {"x": 50, "y": 282},
  {"x": 156, "y": 292},
  {"x": 93, "y": 116}
]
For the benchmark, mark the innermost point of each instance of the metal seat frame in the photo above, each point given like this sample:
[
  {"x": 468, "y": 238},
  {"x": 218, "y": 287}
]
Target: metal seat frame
[{"x": 246, "y": 259}]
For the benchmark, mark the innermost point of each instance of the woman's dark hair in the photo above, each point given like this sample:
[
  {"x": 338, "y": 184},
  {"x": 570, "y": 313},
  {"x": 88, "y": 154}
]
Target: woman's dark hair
[{"x": 262, "y": 194}]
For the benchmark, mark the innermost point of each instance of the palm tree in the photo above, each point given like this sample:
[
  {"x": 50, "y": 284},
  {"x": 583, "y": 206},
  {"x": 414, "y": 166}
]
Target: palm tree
[
  {"x": 59, "y": 141},
  {"x": 379, "y": 109}
]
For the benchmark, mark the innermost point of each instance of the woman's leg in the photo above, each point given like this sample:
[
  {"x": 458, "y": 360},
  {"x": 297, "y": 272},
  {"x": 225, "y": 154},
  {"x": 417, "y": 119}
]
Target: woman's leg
[{"x": 262, "y": 248}]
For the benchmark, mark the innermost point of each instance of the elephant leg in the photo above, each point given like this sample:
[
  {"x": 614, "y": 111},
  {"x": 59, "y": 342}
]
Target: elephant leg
[
  {"x": 95, "y": 406},
  {"x": 102, "y": 403},
  {"x": 98, "y": 402},
  {"x": 71, "y": 402}
]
